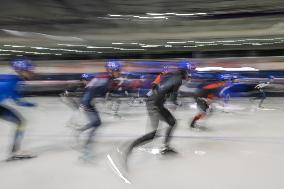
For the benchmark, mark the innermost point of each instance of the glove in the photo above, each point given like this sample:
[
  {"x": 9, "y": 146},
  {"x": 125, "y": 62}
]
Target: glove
[
  {"x": 149, "y": 93},
  {"x": 26, "y": 104},
  {"x": 64, "y": 94},
  {"x": 154, "y": 86},
  {"x": 177, "y": 103}
]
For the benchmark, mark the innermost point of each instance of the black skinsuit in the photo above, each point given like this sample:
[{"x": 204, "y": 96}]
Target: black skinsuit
[
  {"x": 157, "y": 111},
  {"x": 156, "y": 101}
]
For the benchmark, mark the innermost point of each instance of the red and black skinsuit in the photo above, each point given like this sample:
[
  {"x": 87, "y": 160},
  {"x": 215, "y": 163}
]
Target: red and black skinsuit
[
  {"x": 205, "y": 95},
  {"x": 157, "y": 111}
]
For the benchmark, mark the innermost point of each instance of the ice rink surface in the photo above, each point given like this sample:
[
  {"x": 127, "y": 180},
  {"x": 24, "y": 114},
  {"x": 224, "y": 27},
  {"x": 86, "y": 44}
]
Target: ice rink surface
[{"x": 242, "y": 147}]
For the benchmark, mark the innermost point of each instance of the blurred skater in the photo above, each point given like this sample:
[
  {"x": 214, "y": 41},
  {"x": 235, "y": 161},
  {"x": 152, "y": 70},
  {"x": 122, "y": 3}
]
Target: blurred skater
[
  {"x": 261, "y": 89},
  {"x": 206, "y": 94},
  {"x": 97, "y": 87},
  {"x": 9, "y": 85},
  {"x": 155, "y": 84},
  {"x": 158, "y": 112}
]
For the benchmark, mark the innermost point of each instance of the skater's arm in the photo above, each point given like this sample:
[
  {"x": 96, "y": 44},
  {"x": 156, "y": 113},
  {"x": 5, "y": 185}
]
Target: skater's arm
[
  {"x": 18, "y": 98},
  {"x": 174, "y": 94},
  {"x": 20, "y": 102}
]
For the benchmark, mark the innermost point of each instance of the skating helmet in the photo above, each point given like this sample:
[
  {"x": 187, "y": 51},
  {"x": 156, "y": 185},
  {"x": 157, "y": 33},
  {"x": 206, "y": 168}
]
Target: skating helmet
[
  {"x": 165, "y": 69},
  {"x": 113, "y": 65},
  {"x": 186, "y": 66},
  {"x": 235, "y": 77},
  {"x": 22, "y": 65},
  {"x": 228, "y": 76},
  {"x": 87, "y": 77},
  {"x": 225, "y": 77},
  {"x": 271, "y": 77}
]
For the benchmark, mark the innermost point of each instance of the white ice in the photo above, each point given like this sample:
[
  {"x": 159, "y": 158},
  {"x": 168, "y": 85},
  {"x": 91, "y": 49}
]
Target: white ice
[{"x": 242, "y": 147}]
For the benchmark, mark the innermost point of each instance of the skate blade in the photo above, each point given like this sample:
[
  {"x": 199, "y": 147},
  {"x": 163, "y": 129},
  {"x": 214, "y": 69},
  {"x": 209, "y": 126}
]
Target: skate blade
[
  {"x": 170, "y": 153},
  {"x": 260, "y": 108},
  {"x": 118, "y": 169},
  {"x": 199, "y": 128},
  {"x": 157, "y": 151},
  {"x": 20, "y": 157},
  {"x": 152, "y": 151}
]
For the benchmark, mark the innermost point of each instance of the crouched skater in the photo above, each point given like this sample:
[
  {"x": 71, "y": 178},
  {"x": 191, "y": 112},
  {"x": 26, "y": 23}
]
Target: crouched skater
[
  {"x": 157, "y": 112},
  {"x": 9, "y": 85},
  {"x": 97, "y": 87}
]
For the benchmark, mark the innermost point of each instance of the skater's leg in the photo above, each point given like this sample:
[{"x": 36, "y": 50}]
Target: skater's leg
[
  {"x": 262, "y": 97},
  {"x": 116, "y": 106},
  {"x": 12, "y": 116},
  {"x": 199, "y": 116},
  {"x": 202, "y": 106},
  {"x": 171, "y": 121},
  {"x": 154, "y": 118},
  {"x": 95, "y": 122},
  {"x": 140, "y": 141}
]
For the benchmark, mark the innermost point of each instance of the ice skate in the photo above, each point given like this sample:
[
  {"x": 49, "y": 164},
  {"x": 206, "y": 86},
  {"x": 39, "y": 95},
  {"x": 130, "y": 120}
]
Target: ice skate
[
  {"x": 20, "y": 156},
  {"x": 167, "y": 150}
]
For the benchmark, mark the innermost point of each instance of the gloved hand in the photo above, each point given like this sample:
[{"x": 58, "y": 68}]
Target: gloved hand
[
  {"x": 25, "y": 104},
  {"x": 154, "y": 86},
  {"x": 177, "y": 103},
  {"x": 65, "y": 94},
  {"x": 149, "y": 93}
]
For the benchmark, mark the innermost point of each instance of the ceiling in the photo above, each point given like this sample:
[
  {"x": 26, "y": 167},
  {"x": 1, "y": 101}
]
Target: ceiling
[{"x": 96, "y": 28}]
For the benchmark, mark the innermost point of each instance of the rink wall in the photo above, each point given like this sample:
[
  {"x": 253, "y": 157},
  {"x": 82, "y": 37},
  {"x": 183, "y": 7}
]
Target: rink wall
[{"x": 55, "y": 76}]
